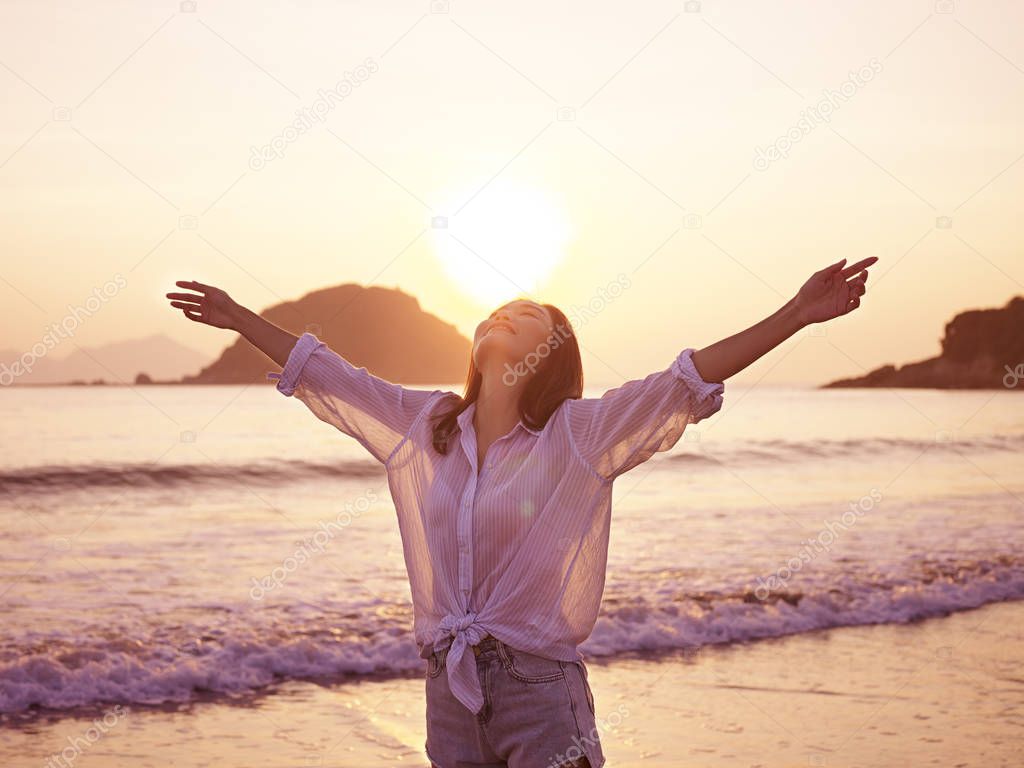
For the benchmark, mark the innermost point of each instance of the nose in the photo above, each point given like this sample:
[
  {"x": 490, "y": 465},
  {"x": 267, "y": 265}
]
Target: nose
[{"x": 502, "y": 315}]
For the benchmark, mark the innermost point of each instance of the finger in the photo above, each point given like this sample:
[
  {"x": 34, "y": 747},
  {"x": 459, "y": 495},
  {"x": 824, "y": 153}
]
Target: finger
[
  {"x": 185, "y": 305},
  {"x": 862, "y": 277},
  {"x": 193, "y": 285},
  {"x": 853, "y": 269},
  {"x": 184, "y": 296},
  {"x": 193, "y": 315},
  {"x": 832, "y": 267},
  {"x": 854, "y": 303}
]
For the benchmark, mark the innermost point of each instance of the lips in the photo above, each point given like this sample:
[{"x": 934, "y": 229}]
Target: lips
[{"x": 504, "y": 326}]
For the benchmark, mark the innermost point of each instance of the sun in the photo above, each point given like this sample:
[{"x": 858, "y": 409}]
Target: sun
[{"x": 503, "y": 243}]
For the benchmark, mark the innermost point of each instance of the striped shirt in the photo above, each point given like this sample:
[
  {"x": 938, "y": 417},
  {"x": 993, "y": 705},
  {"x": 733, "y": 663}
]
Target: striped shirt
[{"x": 516, "y": 548}]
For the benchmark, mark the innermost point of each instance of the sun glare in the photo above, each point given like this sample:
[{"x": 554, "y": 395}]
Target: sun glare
[{"x": 504, "y": 243}]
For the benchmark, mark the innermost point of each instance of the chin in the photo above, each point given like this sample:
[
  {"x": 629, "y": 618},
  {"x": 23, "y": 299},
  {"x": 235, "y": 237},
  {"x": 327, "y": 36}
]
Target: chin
[{"x": 497, "y": 350}]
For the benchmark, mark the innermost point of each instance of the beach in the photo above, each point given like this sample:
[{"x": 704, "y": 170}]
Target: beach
[
  {"x": 248, "y": 245},
  {"x": 796, "y": 582},
  {"x": 943, "y": 691}
]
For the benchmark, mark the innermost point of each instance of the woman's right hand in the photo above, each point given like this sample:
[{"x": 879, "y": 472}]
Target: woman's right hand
[{"x": 211, "y": 307}]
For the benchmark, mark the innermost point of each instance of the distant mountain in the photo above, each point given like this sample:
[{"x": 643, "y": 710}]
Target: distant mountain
[
  {"x": 381, "y": 329},
  {"x": 980, "y": 349},
  {"x": 159, "y": 356}
]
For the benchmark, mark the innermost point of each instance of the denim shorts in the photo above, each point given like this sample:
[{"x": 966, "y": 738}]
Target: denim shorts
[{"x": 536, "y": 712}]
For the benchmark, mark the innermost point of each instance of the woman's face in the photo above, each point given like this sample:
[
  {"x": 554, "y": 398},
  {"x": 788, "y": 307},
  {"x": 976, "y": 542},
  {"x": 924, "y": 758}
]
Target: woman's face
[{"x": 510, "y": 333}]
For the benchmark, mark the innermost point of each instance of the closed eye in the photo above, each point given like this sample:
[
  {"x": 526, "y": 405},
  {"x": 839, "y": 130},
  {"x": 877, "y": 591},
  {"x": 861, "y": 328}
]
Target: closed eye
[{"x": 531, "y": 311}]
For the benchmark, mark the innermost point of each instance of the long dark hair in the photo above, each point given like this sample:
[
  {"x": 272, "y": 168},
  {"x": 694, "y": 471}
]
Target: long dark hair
[{"x": 558, "y": 377}]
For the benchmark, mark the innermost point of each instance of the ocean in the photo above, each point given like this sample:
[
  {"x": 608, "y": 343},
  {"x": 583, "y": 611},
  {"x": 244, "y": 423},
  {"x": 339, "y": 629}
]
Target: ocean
[{"x": 165, "y": 544}]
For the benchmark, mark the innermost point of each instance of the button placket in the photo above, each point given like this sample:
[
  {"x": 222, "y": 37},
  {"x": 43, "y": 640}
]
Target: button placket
[
  {"x": 464, "y": 526},
  {"x": 465, "y": 532}
]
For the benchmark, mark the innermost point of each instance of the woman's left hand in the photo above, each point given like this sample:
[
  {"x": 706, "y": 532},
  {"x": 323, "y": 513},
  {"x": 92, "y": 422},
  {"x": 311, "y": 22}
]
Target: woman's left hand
[{"x": 831, "y": 292}]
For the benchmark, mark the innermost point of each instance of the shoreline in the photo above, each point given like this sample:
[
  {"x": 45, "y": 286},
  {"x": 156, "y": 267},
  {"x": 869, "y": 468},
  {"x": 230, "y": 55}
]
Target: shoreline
[
  {"x": 947, "y": 690},
  {"x": 253, "y": 697}
]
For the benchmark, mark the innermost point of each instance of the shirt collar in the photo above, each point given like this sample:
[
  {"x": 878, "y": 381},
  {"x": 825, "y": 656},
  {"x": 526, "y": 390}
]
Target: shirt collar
[{"x": 466, "y": 418}]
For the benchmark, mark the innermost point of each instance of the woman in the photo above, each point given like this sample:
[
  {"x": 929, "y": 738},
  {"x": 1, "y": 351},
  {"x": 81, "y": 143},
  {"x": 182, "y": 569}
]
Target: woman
[{"x": 503, "y": 498}]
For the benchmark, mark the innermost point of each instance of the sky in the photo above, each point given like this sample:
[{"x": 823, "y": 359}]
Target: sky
[{"x": 668, "y": 173}]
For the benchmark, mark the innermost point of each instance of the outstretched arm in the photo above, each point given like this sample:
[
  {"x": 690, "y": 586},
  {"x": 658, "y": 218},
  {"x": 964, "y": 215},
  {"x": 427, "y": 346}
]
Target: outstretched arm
[
  {"x": 378, "y": 413},
  {"x": 629, "y": 424},
  {"x": 828, "y": 293}
]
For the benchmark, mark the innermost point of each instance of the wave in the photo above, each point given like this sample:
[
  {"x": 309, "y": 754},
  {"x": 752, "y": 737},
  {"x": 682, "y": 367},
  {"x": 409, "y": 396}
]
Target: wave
[
  {"x": 245, "y": 650},
  {"x": 58, "y": 478},
  {"x": 928, "y": 588},
  {"x": 61, "y": 478},
  {"x": 793, "y": 451}
]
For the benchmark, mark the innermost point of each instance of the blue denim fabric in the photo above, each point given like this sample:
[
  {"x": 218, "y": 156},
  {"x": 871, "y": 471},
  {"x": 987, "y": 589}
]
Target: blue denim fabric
[{"x": 537, "y": 712}]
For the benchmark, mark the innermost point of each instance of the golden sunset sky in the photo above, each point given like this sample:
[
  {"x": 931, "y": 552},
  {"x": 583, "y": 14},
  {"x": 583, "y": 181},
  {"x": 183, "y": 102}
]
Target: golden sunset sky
[{"x": 577, "y": 150}]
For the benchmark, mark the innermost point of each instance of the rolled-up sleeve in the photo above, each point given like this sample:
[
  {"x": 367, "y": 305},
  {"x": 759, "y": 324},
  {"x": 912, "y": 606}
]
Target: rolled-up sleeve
[
  {"x": 378, "y": 413},
  {"x": 627, "y": 425}
]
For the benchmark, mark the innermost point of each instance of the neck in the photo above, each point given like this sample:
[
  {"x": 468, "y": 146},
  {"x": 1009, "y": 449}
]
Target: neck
[{"x": 497, "y": 406}]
